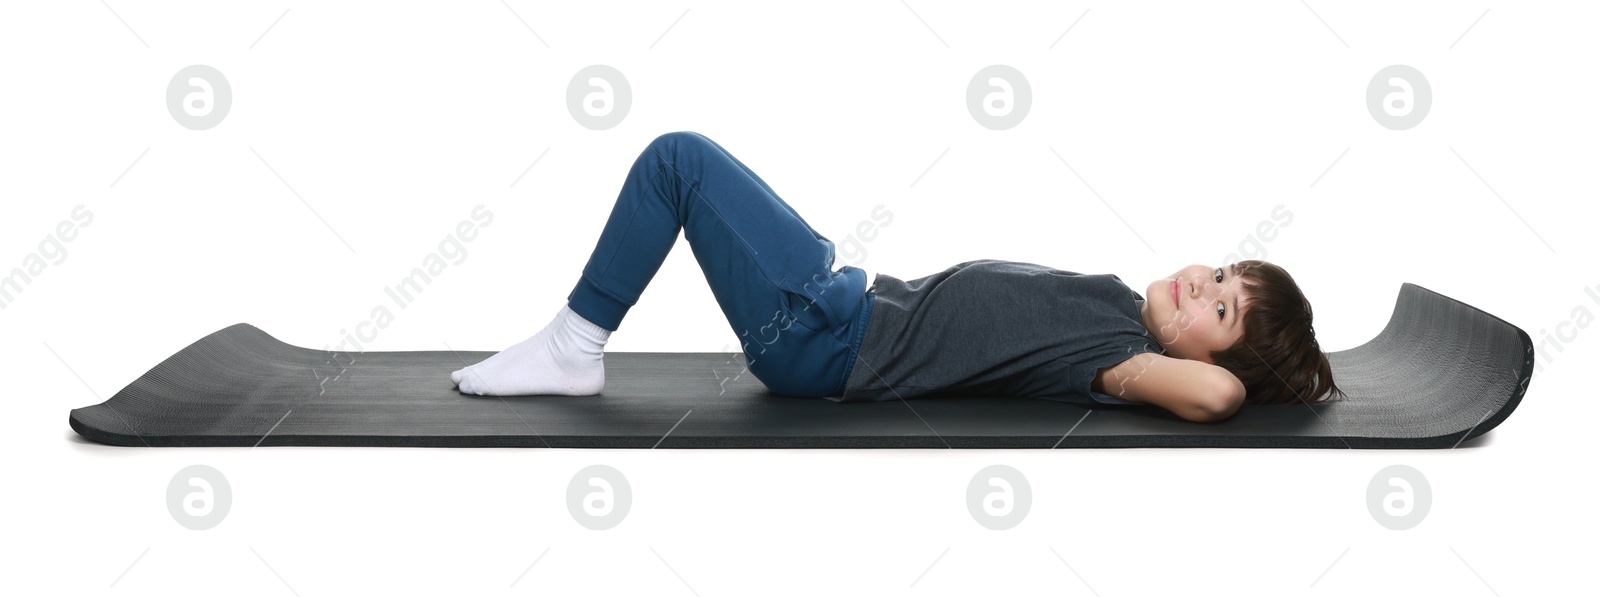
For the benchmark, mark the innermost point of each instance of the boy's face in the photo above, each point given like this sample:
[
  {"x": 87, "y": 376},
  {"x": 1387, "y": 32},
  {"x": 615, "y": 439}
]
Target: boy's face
[{"x": 1192, "y": 314}]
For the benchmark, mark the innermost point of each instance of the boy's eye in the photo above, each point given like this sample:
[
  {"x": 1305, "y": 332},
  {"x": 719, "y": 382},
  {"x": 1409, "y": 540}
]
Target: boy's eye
[{"x": 1219, "y": 275}]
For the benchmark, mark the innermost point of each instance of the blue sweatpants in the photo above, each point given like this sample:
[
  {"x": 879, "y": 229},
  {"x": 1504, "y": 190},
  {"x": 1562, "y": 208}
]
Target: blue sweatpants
[{"x": 799, "y": 322}]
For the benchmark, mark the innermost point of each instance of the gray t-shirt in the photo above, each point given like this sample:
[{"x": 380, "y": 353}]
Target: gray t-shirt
[{"x": 993, "y": 327}]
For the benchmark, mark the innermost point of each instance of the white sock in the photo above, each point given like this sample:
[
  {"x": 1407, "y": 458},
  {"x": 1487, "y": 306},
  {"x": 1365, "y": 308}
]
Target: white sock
[{"x": 562, "y": 359}]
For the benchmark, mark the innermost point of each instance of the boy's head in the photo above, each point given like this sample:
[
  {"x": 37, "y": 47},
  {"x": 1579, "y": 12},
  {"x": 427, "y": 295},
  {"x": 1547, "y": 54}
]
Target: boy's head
[{"x": 1249, "y": 318}]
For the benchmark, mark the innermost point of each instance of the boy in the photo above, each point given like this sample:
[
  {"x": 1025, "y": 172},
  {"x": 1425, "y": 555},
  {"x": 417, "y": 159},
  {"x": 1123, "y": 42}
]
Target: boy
[{"x": 1207, "y": 340}]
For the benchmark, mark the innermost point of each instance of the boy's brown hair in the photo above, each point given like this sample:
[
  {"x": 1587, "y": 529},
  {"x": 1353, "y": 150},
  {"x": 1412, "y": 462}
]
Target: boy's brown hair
[{"x": 1278, "y": 359}]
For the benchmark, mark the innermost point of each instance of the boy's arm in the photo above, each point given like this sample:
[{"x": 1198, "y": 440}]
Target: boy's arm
[{"x": 1196, "y": 391}]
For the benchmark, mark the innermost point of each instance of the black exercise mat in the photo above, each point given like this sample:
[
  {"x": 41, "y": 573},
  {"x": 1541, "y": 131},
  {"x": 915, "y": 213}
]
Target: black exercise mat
[{"x": 1441, "y": 372}]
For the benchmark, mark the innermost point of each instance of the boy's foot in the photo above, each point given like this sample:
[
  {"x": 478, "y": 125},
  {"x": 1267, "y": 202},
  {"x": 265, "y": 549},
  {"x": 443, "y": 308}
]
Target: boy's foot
[{"x": 565, "y": 358}]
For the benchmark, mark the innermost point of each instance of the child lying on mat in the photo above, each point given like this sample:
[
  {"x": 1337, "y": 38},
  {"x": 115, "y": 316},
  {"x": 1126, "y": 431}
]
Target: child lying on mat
[{"x": 1207, "y": 339}]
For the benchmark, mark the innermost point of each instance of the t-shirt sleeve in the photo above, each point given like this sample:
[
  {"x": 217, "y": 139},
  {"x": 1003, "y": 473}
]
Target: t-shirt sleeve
[{"x": 1083, "y": 373}]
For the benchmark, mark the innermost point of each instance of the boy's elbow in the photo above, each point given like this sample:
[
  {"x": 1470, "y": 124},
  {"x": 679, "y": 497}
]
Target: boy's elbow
[{"x": 1224, "y": 398}]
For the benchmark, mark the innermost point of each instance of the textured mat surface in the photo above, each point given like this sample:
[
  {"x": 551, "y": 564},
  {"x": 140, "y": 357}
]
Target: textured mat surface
[{"x": 1441, "y": 372}]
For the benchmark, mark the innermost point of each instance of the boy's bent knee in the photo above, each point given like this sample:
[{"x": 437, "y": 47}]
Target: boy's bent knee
[{"x": 676, "y": 138}]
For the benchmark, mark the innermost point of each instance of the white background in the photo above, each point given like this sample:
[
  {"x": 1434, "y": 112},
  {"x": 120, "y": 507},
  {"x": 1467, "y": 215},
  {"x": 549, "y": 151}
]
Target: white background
[{"x": 391, "y": 121}]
